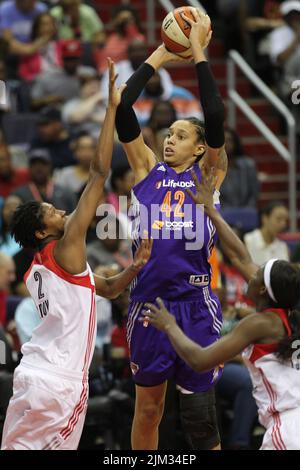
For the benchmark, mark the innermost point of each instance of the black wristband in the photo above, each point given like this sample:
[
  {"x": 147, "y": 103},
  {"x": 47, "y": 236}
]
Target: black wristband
[{"x": 212, "y": 105}]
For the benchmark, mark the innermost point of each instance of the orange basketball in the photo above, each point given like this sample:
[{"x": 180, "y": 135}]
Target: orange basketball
[{"x": 175, "y": 30}]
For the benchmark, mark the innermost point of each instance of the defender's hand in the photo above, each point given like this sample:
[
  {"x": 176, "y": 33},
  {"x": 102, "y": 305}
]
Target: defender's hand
[
  {"x": 115, "y": 93},
  {"x": 143, "y": 254},
  {"x": 204, "y": 190},
  {"x": 159, "y": 316}
]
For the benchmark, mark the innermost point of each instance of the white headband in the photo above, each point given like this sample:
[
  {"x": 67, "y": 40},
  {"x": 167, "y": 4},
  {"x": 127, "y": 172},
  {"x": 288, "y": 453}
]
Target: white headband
[{"x": 267, "y": 278}]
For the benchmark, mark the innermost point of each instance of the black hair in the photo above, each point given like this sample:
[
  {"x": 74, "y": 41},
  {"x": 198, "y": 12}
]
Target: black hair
[
  {"x": 36, "y": 24},
  {"x": 285, "y": 283},
  {"x": 118, "y": 173},
  {"x": 200, "y": 129},
  {"x": 26, "y": 220},
  {"x": 238, "y": 150},
  {"x": 268, "y": 209}
]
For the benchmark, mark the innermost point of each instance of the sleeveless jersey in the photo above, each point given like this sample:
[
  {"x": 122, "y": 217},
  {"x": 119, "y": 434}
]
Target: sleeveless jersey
[
  {"x": 276, "y": 383},
  {"x": 64, "y": 340},
  {"x": 183, "y": 236}
]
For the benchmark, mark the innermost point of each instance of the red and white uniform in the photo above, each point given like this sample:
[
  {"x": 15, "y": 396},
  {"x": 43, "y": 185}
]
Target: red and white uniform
[
  {"x": 276, "y": 389},
  {"x": 49, "y": 403}
]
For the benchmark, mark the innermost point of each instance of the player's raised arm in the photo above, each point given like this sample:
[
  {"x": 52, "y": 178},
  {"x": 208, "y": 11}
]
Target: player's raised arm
[
  {"x": 141, "y": 158},
  {"x": 252, "y": 329},
  {"x": 70, "y": 250},
  {"x": 231, "y": 245},
  {"x": 211, "y": 101}
]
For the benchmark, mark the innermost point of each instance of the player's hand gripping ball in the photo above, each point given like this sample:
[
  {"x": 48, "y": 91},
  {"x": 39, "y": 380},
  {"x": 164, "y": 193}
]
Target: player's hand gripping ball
[{"x": 175, "y": 30}]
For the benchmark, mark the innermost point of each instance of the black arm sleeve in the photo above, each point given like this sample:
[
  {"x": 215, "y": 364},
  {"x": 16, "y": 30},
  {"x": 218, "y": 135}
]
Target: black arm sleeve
[
  {"x": 127, "y": 124},
  {"x": 212, "y": 105}
]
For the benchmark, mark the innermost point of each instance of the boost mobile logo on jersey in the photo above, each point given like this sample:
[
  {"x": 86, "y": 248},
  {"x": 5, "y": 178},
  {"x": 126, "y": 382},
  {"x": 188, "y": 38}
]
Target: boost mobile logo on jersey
[
  {"x": 174, "y": 184},
  {"x": 158, "y": 224},
  {"x": 169, "y": 225}
]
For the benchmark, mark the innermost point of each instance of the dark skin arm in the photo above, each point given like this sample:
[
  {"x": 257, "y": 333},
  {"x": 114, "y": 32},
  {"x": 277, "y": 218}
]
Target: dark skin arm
[
  {"x": 111, "y": 287},
  {"x": 70, "y": 250},
  {"x": 231, "y": 245},
  {"x": 253, "y": 329}
]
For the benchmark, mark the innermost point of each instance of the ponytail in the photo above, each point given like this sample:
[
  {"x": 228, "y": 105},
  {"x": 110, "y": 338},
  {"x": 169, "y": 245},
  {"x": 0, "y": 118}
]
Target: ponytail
[{"x": 285, "y": 349}]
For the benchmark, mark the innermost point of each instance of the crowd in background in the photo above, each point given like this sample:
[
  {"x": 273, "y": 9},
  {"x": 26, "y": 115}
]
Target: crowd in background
[{"x": 53, "y": 61}]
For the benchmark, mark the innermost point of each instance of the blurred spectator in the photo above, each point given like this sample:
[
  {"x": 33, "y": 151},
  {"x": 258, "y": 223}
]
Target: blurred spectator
[
  {"x": 261, "y": 17},
  {"x": 263, "y": 243},
  {"x": 14, "y": 46},
  {"x": 7, "y": 276},
  {"x": 60, "y": 84},
  {"x": 26, "y": 318},
  {"x": 8, "y": 245},
  {"x": 122, "y": 181},
  {"x": 75, "y": 177},
  {"x": 240, "y": 187},
  {"x": 185, "y": 104},
  {"x": 162, "y": 116},
  {"x": 126, "y": 27},
  {"x": 54, "y": 137},
  {"x": 10, "y": 177},
  {"x": 137, "y": 54},
  {"x": 41, "y": 188},
  {"x": 18, "y": 16},
  {"x": 112, "y": 247},
  {"x": 285, "y": 40},
  {"x": 12, "y": 101},
  {"x": 77, "y": 21},
  {"x": 48, "y": 57},
  {"x": 234, "y": 287},
  {"x": 86, "y": 112}
]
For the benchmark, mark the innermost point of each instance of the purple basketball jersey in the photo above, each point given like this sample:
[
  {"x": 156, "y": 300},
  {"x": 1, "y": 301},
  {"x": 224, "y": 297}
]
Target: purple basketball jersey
[{"x": 183, "y": 236}]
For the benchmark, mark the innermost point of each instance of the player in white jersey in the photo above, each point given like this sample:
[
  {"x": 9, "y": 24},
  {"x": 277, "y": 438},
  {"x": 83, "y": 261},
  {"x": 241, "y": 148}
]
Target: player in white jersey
[
  {"x": 270, "y": 339},
  {"x": 49, "y": 400}
]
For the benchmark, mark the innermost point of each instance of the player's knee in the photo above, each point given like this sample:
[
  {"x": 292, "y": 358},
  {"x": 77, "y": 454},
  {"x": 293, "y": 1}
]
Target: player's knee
[
  {"x": 150, "y": 413},
  {"x": 199, "y": 420}
]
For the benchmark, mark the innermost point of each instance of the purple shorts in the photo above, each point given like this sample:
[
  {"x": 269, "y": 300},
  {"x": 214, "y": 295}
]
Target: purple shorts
[{"x": 153, "y": 358}]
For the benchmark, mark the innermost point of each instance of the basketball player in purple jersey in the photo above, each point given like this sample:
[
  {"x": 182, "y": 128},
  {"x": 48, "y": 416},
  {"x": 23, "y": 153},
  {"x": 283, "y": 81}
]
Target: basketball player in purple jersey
[{"x": 180, "y": 276}]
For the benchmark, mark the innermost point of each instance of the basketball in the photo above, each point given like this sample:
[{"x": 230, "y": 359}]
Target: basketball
[{"x": 175, "y": 31}]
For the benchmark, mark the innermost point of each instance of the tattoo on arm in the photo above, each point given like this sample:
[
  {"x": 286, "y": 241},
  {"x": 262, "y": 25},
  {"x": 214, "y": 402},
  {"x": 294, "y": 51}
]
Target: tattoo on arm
[{"x": 222, "y": 163}]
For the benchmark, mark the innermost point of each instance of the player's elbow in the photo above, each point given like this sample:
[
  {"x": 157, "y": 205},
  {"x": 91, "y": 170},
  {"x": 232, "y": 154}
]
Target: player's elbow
[{"x": 108, "y": 293}]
